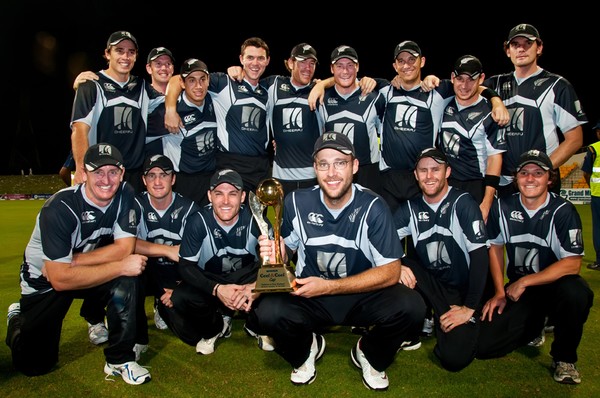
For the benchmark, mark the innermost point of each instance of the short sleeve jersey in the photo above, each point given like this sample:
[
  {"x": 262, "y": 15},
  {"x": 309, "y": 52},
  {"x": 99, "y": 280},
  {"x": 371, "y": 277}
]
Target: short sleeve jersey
[
  {"x": 164, "y": 227},
  {"x": 536, "y": 239},
  {"x": 356, "y": 116},
  {"x": 445, "y": 235},
  {"x": 241, "y": 114},
  {"x": 294, "y": 127},
  {"x": 468, "y": 137},
  {"x": 411, "y": 123},
  {"x": 70, "y": 223},
  {"x": 541, "y": 107},
  {"x": 117, "y": 113},
  {"x": 220, "y": 250},
  {"x": 359, "y": 237}
]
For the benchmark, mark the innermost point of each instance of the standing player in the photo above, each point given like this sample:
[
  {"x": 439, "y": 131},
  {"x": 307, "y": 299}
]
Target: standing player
[
  {"x": 469, "y": 137},
  {"x": 193, "y": 148},
  {"x": 545, "y": 113},
  {"x": 345, "y": 109},
  {"x": 241, "y": 110},
  {"x": 113, "y": 109},
  {"x": 82, "y": 246}
]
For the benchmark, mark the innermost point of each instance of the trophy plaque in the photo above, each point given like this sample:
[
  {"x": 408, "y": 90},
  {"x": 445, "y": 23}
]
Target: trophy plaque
[{"x": 273, "y": 274}]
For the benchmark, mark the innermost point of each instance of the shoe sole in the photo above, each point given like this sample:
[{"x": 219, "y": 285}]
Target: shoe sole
[{"x": 357, "y": 364}]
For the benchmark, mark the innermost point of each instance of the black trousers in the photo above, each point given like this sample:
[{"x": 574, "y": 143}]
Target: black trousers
[
  {"x": 567, "y": 301},
  {"x": 396, "y": 314},
  {"x": 34, "y": 335}
]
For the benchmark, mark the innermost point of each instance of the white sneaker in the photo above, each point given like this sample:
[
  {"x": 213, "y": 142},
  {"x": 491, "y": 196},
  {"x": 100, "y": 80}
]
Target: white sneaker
[
  {"x": 158, "y": 321},
  {"x": 372, "y": 379},
  {"x": 265, "y": 343},
  {"x": 207, "y": 346},
  {"x": 98, "y": 333},
  {"x": 13, "y": 309},
  {"x": 139, "y": 349},
  {"x": 307, "y": 373},
  {"x": 131, "y": 372}
]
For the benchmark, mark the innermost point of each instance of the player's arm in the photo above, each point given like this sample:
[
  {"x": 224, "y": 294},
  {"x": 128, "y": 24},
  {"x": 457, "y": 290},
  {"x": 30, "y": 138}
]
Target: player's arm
[
  {"x": 152, "y": 249},
  {"x": 372, "y": 279},
  {"x": 317, "y": 93},
  {"x": 79, "y": 145},
  {"x": 498, "y": 301},
  {"x": 65, "y": 276},
  {"x": 571, "y": 144},
  {"x": 172, "y": 120},
  {"x": 83, "y": 77},
  {"x": 116, "y": 251},
  {"x": 492, "y": 179},
  {"x": 499, "y": 111}
]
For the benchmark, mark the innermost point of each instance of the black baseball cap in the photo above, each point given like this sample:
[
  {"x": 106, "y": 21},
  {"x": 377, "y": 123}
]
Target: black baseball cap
[
  {"x": 304, "y": 51},
  {"x": 228, "y": 176},
  {"x": 157, "y": 52},
  {"x": 433, "y": 153},
  {"x": 191, "y": 65},
  {"x": 344, "y": 52},
  {"x": 100, "y": 155},
  {"x": 468, "y": 65},
  {"x": 597, "y": 126},
  {"x": 525, "y": 30},
  {"x": 338, "y": 141},
  {"x": 160, "y": 161},
  {"x": 537, "y": 157},
  {"x": 118, "y": 37},
  {"x": 409, "y": 46}
]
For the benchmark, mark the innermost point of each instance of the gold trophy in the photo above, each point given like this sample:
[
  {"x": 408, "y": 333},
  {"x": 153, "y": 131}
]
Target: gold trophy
[{"x": 276, "y": 276}]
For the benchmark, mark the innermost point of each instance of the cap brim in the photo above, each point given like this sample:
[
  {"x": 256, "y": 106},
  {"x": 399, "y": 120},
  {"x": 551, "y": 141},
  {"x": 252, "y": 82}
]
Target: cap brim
[{"x": 350, "y": 58}]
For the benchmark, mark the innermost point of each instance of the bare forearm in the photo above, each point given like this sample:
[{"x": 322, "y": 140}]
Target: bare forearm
[{"x": 369, "y": 280}]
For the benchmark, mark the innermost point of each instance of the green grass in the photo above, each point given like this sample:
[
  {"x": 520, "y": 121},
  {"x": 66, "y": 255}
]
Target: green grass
[{"x": 239, "y": 369}]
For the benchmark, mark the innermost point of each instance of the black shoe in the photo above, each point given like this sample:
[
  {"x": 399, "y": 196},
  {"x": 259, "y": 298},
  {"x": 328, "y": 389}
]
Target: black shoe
[{"x": 594, "y": 266}]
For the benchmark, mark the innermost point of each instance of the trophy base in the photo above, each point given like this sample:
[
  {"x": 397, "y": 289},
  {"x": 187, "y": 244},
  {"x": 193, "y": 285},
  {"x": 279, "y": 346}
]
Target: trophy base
[{"x": 274, "y": 278}]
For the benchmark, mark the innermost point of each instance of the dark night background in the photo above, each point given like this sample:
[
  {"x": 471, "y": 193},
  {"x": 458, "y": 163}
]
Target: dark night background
[{"x": 46, "y": 44}]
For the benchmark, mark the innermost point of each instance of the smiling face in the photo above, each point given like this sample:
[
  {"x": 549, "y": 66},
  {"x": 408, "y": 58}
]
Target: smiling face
[
  {"x": 226, "y": 202},
  {"x": 254, "y": 61},
  {"x": 102, "y": 184},
  {"x": 121, "y": 58},
  {"x": 432, "y": 178},
  {"x": 533, "y": 183},
  {"x": 335, "y": 172}
]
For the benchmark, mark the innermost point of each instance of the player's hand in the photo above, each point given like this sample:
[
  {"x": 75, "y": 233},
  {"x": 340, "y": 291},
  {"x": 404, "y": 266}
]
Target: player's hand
[
  {"x": 83, "y": 77},
  {"x": 429, "y": 83},
  {"x": 134, "y": 264},
  {"x": 495, "y": 304},
  {"x": 316, "y": 96},
  {"x": 407, "y": 278},
  {"x": 312, "y": 286},
  {"x": 236, "y": 73},
  {"x": 172, "y": 121},
  {"x": 367, "y": 85},
  {"x": 456, "y": 316}
]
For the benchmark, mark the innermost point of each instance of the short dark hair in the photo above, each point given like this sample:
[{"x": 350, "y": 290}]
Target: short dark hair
[{"x": 255, "y": 42}]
